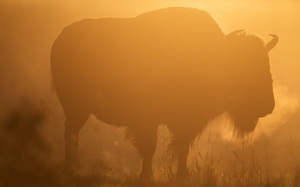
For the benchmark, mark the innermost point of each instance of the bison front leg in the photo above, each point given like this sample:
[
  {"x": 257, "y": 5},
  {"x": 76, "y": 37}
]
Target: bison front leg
[
  {"x": 74, "y": 122},
  {"x": 181, "y": 142},
  {"x": 145, "y": 142},
  {"x": 181, "y": 148},
  {"x": 182, "y": 138}
]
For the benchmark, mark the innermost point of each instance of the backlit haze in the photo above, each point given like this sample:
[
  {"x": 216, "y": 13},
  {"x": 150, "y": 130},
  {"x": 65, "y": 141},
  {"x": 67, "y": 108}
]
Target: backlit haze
[{"x": 29, "y": 28}]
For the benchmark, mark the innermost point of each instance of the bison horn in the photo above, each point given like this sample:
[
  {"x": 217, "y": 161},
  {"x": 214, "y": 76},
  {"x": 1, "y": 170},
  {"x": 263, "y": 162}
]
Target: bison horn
[{"x": 272, "y": 43}]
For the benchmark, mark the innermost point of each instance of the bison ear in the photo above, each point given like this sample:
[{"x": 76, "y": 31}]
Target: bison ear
[
  {"x": 272, "y": 43},
  {"x": 234, "y": 33}
]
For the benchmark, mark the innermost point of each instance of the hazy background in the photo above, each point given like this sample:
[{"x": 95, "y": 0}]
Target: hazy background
[{"x": 28, "y": 29}]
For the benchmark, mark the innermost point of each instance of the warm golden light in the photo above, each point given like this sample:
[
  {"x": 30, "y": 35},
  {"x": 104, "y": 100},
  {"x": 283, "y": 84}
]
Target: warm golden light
[{"x": 28, "y": 31}]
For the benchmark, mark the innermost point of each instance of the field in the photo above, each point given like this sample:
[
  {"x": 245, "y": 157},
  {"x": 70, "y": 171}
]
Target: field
[
  {"x": 31, "y": 117},
  {"x": 27, "y": 159}
]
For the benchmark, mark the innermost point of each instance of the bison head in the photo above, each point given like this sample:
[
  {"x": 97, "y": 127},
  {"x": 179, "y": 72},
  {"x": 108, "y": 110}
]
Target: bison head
[{"x": 250, "y": 80}]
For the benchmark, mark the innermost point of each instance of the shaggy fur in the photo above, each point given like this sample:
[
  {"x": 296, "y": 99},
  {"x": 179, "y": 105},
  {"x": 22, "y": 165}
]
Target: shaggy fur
[{"x": 173, "y": 66}]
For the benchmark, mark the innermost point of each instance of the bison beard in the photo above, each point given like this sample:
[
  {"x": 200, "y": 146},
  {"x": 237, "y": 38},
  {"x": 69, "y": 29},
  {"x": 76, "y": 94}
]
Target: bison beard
[
  {"x": 243, "y": 123},
  {"x": 173, "y": 66}
]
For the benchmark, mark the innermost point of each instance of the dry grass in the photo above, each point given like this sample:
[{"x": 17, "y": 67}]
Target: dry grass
[{"x": 25, "y": 160}]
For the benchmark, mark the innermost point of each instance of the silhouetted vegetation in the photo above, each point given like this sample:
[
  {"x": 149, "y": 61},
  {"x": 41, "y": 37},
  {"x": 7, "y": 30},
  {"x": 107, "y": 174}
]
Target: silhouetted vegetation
[
  {"x": 31, "y": 133},
  {"x": 25, "y": 155},
  {"x": 26, "y": 161}
]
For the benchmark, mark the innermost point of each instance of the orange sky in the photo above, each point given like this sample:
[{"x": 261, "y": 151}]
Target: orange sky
[
  {"x": 261, "y": 17},
  {"x": 47, "y": 19},
  {"x": 28, "y": 29}
]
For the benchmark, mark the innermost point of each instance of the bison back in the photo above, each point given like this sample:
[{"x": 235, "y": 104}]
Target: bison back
[{"x": 162, "y": 59}]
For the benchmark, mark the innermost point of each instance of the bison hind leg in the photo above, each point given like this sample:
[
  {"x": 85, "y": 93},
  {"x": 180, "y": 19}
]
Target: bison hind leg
[{"x": 75, "y": 120}]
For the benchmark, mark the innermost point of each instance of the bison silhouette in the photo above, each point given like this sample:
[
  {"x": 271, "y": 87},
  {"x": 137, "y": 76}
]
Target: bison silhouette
[{"x": 171, "y": 66}]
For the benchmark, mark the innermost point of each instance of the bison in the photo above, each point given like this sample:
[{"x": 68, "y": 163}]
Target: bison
[{"x": 171, "y": 66}]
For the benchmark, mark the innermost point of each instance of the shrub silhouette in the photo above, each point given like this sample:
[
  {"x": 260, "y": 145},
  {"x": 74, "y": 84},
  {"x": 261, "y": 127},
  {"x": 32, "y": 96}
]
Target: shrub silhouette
[{"x": 24, "y": 152}]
